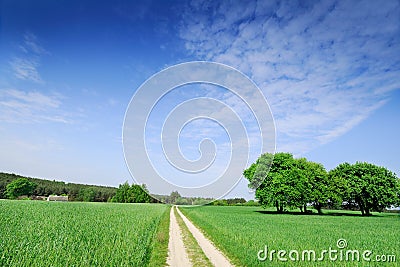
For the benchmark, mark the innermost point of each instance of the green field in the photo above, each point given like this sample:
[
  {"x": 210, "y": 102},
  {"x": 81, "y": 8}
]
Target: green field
[
  {"x": 36, "y": 233},
  {"x": 241, "y": 232}
]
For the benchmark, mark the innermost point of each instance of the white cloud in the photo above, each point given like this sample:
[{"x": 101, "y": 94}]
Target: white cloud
[
  {"x": 26, "y": 69},
  {"x": 322, "y": 66},
  {"x": 17, "y": 106},
  {"x": 31, "y": 44},
  {"x": 25, "y": 66}
]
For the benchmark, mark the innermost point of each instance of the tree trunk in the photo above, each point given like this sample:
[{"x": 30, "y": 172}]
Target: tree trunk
[
  {"x": 280, "y": 208},
  {"x": 361, "y": 205},
  {"x": 305, "y": 208},
  {"x": 367, "y": 212},
  {"x": 318, "y": 207},
  {"x": 362, "y": 212}
]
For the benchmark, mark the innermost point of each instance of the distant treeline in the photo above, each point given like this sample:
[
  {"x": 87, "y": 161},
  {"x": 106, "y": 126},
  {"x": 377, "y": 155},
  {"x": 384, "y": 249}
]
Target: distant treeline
[
  {"x": 234, "y": 202},
  {"x": 176, "y": 199},
  {"x": 125, "y": 193},
  {"x": 75, "y": 192}
]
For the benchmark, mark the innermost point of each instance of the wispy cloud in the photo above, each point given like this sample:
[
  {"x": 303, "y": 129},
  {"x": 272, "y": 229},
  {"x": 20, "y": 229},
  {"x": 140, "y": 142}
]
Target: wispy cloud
[
  {"x": 323, "y": 66},
  {"x": 26, "y": 69},
  {"x": 17, "y": 106},
  {"x": 25, "y": 66},
  {"x": 31, "y": 44}
]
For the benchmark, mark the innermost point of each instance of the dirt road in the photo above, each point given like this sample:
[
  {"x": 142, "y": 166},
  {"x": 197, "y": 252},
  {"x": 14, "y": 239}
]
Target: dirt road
[{"x": 177, "y": 255}]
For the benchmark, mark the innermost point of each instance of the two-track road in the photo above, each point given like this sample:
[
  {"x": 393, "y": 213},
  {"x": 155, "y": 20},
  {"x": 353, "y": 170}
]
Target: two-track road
[{"x": 177, "y": 254}]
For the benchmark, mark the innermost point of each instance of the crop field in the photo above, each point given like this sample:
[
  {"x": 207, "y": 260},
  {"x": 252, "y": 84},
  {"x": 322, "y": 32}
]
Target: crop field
[
  {"x": 241, "y": 232},
  {"x": 36, "y": 233}
]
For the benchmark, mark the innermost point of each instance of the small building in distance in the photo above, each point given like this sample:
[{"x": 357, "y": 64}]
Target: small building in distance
[
  {"x": 38, "y": 198},
  {"x": 57, "y": 198}
]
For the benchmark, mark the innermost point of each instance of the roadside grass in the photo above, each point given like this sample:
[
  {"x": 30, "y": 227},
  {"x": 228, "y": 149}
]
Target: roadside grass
[
  {"x": 160, "y": 243},
  {"x": 195, "y": 253},
  {"x": 39, "y": 233},
  {"x": 241, "y": 232}
]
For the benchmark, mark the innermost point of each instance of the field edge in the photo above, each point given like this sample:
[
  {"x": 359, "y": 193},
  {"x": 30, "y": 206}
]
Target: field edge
[{"x": 159, "y": 251}]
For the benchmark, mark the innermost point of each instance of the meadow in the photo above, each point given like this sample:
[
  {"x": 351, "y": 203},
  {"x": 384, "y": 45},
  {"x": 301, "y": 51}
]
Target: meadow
[
  {"x": 39, "y": 233},
  {"x": 241, "y": 232}
]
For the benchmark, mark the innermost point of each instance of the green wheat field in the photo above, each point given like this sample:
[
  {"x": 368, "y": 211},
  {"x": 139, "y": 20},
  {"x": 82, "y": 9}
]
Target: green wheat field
[
  {"x": 241, "y": 232},
  {"x": 40, "y": 233}
]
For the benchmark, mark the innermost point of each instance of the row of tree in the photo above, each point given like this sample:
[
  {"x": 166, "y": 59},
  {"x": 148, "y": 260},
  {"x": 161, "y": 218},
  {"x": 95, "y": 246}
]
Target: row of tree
[
  {"x": 234, "y": 202},
  {"x": 176, "y": 199},
  {"x": 24, "y": 187},
  {"x": 14, "y": 186},
  {"x": 75, "y": 192},
  {"x": 18, "y": 186},
  {"x": 285, "y": 182}
]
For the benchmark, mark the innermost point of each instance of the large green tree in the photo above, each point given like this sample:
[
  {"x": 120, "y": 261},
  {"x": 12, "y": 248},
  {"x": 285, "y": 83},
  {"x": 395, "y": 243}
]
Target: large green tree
[
  {"x": 20, "y": 187},
  {"x": 286, "y": 182},
  {"x": 319, "y": 189},
  {"x": 371, "y": 187},
  {"x": 270, "y": 176}
]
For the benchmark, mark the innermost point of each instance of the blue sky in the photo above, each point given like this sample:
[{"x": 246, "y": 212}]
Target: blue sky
[{"x": 68, "y": 69}]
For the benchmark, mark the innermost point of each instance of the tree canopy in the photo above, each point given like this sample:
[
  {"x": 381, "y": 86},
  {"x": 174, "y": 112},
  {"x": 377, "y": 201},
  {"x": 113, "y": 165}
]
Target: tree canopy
[
  {"x": 20, "y": 187},
  {"x": 371, "y": 187},
  {"x": 132, "y": 194},
  {"x": 287, "y": 183}
]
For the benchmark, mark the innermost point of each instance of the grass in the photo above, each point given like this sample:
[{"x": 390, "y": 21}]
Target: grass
[
  {"x": 195, "y": 253},
  {"x": 160, "y": 242},
  {"x": 36, "y": 233},
  {"x": 241, "y": 232}
]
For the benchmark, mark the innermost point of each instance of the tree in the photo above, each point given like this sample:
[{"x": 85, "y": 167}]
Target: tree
[
  {"x": 132, "y": 194},
  {"x": 371, "y": 187},
  {"x": 139, "y": 194},
  {"x": 272, "y": 177},
  {"x": 235, "y": 201},
  {"x": 20, "y": 187},
  {"x": 174, "y": 196},
  {"x": 122, "y": 194},
  {"x": 87, "y": 194},
  {"x": 249, "y": 174},
  {"x": 289, "y": 182},
  {"x": 219, "y": 202},
  {"x": 320, "y": 189},
  {"x": 182, "y": 201}
]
